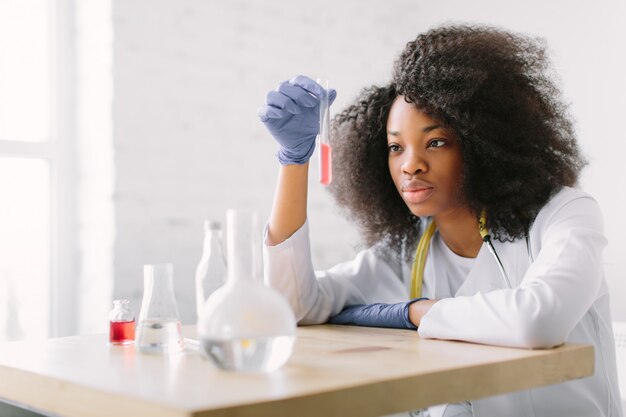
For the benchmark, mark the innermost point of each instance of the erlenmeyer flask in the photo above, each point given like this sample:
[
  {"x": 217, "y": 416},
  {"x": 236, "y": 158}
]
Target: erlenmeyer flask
[
  {"x": 246, "y": 326},
  {"x": 159, "y": 328}
]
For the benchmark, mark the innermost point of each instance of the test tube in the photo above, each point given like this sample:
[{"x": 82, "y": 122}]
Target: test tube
[{"x": 325, "y": 155}]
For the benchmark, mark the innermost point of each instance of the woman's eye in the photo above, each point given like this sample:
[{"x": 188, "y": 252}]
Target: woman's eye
[
  {"x": 393, "y": 147},
  {"x": 436, "y": 143}
]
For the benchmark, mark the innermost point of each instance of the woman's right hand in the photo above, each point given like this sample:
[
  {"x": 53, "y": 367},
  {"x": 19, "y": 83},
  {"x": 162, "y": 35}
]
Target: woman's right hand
[{"x": 291, "y": 115}]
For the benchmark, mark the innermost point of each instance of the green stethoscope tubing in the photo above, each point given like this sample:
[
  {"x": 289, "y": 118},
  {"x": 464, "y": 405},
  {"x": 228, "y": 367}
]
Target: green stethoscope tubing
[{"x": 419, "y": 264}]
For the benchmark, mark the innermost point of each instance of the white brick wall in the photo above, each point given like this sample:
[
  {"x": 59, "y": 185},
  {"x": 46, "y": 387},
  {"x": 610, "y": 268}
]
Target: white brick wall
[
  {"x": 189, "y": 76},
  {"x": 95, "y": 165},
  {"x": 188, "y": 79}
]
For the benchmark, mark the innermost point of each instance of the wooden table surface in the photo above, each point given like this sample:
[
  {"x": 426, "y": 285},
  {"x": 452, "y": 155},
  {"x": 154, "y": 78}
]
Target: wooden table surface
[{"x": 334, "y": 371}]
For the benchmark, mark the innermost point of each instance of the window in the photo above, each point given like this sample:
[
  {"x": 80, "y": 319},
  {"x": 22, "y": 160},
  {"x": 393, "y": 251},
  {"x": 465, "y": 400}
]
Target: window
[{"x": 35, "y": 167}]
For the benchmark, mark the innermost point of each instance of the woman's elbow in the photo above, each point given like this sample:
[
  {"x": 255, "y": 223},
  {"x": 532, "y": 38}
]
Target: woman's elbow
[
  {"x": 541, "y": 340},
  {"x": 540, "y": 333}
]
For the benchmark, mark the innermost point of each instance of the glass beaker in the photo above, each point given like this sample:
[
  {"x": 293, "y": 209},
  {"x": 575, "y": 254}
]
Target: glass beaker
[
  {"x": 159, "y": 328},
  {"x": 246, "y": 326}
]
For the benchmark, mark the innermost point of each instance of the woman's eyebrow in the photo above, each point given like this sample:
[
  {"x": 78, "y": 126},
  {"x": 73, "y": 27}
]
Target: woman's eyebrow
[
  {"x": 425, "y": 130},
  {"x": 431, "y": 128}
]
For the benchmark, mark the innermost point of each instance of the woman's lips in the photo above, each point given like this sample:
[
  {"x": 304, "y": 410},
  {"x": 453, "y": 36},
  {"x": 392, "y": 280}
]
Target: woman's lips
[{"x": 417, "y": 195}]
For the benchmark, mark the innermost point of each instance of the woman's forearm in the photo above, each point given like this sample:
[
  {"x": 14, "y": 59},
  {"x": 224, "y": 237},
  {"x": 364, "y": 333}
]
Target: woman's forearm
[{"x": 290, "y": 200}]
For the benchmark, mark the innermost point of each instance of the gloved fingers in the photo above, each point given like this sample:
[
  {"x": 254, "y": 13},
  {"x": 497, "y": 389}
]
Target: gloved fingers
[
  {"x": 297, "y": 94},
  {"x": 281, "y": 101},
  {"x": 348, "y": 314},
  {"x": 308, "y": 84},
  {"x": 313, "y": 87},
  {"x": 266, "y": 113}
]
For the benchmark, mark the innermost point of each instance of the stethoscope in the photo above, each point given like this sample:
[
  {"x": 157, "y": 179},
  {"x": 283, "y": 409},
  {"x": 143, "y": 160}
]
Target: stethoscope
[{"x": 417, "y": 272}]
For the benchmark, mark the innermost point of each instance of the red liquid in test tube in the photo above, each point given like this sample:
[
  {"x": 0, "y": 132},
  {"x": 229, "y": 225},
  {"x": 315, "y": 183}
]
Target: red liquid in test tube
[
  {"x": 325, "y": 155},
  {"x": 326, "y": 172}
]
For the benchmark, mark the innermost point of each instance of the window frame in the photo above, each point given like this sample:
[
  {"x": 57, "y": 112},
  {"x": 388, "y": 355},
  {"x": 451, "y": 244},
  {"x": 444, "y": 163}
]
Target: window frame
[{"x": 60, "y": 153}]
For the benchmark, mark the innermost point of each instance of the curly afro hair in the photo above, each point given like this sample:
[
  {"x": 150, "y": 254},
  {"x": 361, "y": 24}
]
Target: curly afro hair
[{"x": 495, "y": 91}]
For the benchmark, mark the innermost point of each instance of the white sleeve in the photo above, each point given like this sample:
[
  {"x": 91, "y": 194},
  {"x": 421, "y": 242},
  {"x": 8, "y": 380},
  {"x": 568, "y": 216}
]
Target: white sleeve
[
  {"x": 557, "y": 290},
  {"x": 316, "y": 296}
]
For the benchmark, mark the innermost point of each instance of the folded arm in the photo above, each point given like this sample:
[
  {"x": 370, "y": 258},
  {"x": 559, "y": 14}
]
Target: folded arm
[{"x": 405, "y": 315}]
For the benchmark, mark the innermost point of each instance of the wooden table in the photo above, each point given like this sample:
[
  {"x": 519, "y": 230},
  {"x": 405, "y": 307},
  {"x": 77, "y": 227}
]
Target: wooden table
[{"x": 334, "y": 371}]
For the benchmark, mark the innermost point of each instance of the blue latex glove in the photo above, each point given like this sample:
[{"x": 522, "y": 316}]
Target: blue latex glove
[
  {"x": 291, "y": 114},
  {"x": 395, "y": 316}
]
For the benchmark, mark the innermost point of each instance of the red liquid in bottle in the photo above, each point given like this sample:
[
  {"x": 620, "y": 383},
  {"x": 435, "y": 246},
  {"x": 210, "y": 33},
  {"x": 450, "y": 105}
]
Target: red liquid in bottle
[
  {"x": 122, "y": 332},
  {"x": 326, "y": 171}
]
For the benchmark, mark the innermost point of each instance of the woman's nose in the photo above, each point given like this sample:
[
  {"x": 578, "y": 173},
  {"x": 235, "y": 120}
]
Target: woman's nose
[{"x": 413, "y": 163}]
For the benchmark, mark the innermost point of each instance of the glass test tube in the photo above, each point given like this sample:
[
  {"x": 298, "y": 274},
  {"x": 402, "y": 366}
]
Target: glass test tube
[{"x": 325, "y": 155}]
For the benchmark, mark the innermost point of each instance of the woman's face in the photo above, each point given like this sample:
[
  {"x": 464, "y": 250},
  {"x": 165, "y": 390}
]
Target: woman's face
[{"x": 424, "y": 160}]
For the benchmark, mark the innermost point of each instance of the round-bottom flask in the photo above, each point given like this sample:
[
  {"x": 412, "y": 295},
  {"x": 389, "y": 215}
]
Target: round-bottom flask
[{"x": 246, "y": 326}]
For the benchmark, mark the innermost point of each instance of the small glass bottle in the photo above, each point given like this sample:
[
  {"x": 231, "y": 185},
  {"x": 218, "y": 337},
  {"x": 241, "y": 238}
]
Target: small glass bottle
[
  {"x": 211, "y": 271},
  {"x": 121, "y": 324}
]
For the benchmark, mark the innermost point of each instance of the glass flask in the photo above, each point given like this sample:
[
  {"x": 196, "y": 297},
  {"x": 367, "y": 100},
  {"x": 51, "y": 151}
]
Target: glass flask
[
  {"x": 211, "y": 271},
  {"x": 246, "y": 326},
  {"x": 121, "y": 324},
  {"x": 159, "y": 328}
]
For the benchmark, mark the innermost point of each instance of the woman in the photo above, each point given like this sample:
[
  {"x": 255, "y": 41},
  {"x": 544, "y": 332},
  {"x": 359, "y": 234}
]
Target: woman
[{"x": 471, "y": 131}]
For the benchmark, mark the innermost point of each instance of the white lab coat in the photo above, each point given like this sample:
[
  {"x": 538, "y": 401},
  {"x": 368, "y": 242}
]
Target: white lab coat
[{"x": 559, "y": 295}]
